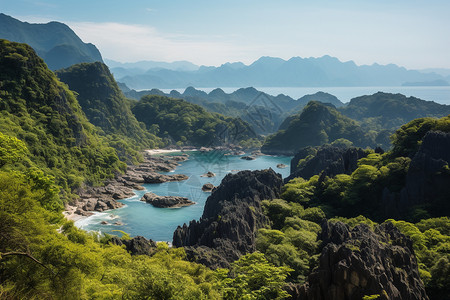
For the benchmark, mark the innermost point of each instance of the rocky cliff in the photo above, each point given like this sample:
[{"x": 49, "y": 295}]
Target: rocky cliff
[
  {"x": 331, "y": 160},
  {"x": 427, "y": 180},
  {"x": 230, "y": 219},
  {"x": 361, "y": 262}
]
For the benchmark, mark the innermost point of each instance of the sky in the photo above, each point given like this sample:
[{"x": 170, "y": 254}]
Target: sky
[{"x": 410, "y": 33}]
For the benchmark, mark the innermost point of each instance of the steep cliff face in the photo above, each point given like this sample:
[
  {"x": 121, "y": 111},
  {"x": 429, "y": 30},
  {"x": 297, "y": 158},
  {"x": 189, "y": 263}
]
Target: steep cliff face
[
  {"x": 359, "y": 262},
  {"x": 427, "y": 181},
  {"x": 331, "y": 160},
  {"x": 231, "y": 217}
]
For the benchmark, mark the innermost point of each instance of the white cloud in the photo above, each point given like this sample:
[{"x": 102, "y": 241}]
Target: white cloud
[{"x": 129, "y": 43}]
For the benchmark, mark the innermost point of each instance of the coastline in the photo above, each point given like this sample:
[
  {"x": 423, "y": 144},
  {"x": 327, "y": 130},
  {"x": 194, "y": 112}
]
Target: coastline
[
  {"x": 165, "y": 151},
  {"x": 105, "y": 198}
]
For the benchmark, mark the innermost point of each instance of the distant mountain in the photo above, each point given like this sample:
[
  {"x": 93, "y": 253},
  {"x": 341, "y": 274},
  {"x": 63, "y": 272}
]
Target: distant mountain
[
  {"x": 437, "y": 82},
  {"x": 272, "y": 72},
  {"x": 262, "y": 111},
  {"x": 55, "y": 42},
  {"x": 146, "y": 65}
]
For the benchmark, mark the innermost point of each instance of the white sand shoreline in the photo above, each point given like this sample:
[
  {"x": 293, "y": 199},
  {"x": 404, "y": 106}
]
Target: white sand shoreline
[{"x": 164, "y": 151}]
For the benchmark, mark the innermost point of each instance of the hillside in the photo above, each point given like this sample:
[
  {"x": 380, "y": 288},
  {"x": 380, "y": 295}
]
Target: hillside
[
  {"x": 390, "y": 111},
  {"x": 104, "y": 104},
  {"x": 39, "y": 110},
  {"x": 262, "y": 111},
  {"x": 55, "y": 42},
  {"x": 184, "y": 123},
  {"x": 316, "y": 125}
]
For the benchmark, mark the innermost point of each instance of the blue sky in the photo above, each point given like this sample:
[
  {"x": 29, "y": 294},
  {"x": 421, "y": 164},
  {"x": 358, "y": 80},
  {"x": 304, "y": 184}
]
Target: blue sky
[{"x": 411, "y": 33}]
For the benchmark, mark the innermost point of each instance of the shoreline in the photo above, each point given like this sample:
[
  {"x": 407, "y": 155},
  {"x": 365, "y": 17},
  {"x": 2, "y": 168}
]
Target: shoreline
[
  {"x": 165, "y": 151},
  {"x": 123, "y": 186}
]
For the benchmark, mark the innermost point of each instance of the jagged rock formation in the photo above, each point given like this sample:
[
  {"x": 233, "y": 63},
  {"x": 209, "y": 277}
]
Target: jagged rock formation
[
  {"x": 310, "y": 161},
  {"x": 230, "y": 219},
  {"x": 427, "y": 180},
  {"x": 138, "y": 245},
  {"x": 360, "y": 262},
  {"x": 166, "y": 201}
]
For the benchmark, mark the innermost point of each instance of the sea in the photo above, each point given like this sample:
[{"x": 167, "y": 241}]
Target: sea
[
  {"x": 158, "y": 224},
  {"x": 439, "y": 94}
]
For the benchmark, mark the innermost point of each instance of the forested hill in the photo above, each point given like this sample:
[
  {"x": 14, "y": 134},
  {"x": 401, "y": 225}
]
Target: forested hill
[
  {"x": 184, "y": 123},
  {"x": 39, "y": 110},
  {"x": 390, "y": 111},
  {"x": 55, "y": 42},
  {"x": 316, "y": 125},
  {"x": 105, "y": 105}
]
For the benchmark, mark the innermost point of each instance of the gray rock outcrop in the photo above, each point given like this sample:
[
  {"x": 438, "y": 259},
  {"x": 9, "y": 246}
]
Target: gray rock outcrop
[
  {"x": 230, "y": 220},
  {"x": 328, "y": 160},
  {"x": 359, "y": 262}
]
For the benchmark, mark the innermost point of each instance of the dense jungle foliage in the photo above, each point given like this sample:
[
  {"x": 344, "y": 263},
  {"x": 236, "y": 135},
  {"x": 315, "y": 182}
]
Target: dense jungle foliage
[
  {"x": 106, "y": 107},
  {"x": 316, "y": 125},
  {"x": 39, "y": 110},
  {"x": 184, "y": 123}
]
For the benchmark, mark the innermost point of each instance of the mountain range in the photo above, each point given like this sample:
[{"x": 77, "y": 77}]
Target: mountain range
[
  {"x": 276, "y": 72},
  {"x": 54, "y": 42}
]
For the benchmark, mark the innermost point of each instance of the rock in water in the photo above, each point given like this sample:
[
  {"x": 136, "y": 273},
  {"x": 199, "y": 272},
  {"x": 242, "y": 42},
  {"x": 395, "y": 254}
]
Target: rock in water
[
  {"x": 231, "y": 218},
  {"x": 249, "y": 157},
  {"x": 207, "y": 187},
  {"x": 208, "y": 174},
  {"x": 359, "y": 262},
  {"x": 160, "y": 178},
  {"x": 166, "y": 201},
  {"x": 281, "y": 166}
]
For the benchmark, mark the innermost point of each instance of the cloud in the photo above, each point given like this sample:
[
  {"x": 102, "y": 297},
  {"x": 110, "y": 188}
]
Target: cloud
[{"x": 129, "y": 43}]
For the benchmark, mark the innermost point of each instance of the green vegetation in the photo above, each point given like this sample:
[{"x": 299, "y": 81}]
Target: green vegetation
[
  {"x": 106, "y": 107},
  {"x": 431, "y": 243},
  {"x": 253, "y": 277},
  {"x": 37, "y": 109},
  {"x": 407, "y": 139},
  {"x": 184, "y": 123},
  {"x": 361, "y": 193},
  {"x": 390, "y": 111},
  {"x": 358, "y": 198},
  {"x": 316, "y": 125},
  {"x": 292, "y": 239}
]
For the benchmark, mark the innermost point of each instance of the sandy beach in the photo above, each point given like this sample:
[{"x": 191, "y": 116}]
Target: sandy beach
[
  {"x": 165, "y": 151},
  {"x": 69, "y": 213}
]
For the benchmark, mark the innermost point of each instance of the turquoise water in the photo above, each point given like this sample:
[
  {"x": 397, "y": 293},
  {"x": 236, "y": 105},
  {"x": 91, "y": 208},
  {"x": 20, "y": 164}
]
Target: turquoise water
[{"x": 140, "y": 218}]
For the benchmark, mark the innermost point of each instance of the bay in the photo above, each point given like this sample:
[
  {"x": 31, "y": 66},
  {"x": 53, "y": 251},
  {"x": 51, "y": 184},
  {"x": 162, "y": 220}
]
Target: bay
[
  {"x": 439, "y": 94},
  {"x": 140, "y": 218}
]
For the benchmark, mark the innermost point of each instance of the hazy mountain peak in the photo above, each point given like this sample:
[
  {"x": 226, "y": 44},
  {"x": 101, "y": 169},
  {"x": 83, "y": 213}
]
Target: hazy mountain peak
[{"x": 55, "y": 42}]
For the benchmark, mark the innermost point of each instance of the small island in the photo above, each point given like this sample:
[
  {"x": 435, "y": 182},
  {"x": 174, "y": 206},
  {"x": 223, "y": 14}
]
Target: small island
[{"x": 166, "y": 201}]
